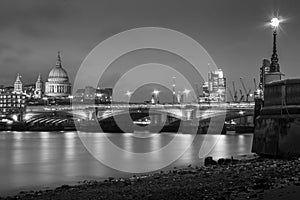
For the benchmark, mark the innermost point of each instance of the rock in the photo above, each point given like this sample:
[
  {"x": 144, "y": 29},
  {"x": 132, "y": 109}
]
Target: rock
[
  {"x": 213, "y": 162},
  {"x": 221, "y": 161},
  {"x": 251, "y": 196},
  {"x": 227, "y": 160},
  {"x": 297, "y": 183},
  {"x": 209, "y": 161},
  {"x": 64, "y": 187}
]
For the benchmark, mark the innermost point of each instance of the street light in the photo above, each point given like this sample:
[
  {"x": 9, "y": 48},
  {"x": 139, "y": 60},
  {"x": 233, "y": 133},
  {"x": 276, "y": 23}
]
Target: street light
[
  {"x": 275, "y": 22},
  {"x": 174, "y": 90},
  {"x": 274, "y": 67},
  {"x": 128, "y": 93},
  {"x": 186, "y": 92},
  {"x": 156, "y": 92}
]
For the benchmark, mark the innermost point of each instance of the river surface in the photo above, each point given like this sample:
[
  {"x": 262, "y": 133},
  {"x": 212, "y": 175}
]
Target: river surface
[{"x": 40, "y": 160}]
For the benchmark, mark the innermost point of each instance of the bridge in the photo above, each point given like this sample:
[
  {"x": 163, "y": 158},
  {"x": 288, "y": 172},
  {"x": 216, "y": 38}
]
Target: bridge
[{"x": 158, "y": 113}]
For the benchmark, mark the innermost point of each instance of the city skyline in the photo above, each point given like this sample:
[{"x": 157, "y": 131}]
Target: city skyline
[{"x": 234, "y": 36}]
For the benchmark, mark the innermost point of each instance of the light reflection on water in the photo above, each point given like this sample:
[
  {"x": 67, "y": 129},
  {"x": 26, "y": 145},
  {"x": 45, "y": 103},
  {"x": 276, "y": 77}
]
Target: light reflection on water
[{"x": 39, "y": 159}]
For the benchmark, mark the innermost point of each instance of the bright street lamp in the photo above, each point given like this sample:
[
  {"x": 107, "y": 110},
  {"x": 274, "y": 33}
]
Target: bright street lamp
[
  {"x": 274, "y": 67},
  {"x": 156, "y": 92},
  {"x": 275, "y": 22},
  {"x": 186, "y": 92},
  {"x": 128, "y": 93}
]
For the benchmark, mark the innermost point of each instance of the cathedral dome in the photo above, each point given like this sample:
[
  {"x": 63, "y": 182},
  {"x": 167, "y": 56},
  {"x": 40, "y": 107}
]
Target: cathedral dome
[{"x": 58, "y": 74}]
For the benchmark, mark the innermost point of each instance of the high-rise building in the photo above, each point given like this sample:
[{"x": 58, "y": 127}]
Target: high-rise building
[
  {"x": 263, "y": 70},
  {"x": 217, "y": 86},
  {"x": 205, "y": 93},
  {"x": 58, "y": 85}
]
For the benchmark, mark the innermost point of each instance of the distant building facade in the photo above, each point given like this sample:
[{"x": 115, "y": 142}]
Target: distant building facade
[
  {"x": 265, "y": 68},
  {"x": 12, "y": 100},
  {"x": 12, "y": 103},
  {"x": 2, "y": 89},
  {"x": 90, "y": 94}
]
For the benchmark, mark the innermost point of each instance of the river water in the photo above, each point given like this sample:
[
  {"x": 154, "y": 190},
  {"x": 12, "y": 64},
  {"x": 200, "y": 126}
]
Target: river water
[{"x": 40, "y": 160}]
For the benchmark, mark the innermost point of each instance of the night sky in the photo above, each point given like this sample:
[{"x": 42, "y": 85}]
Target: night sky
[{"x": 233, "y": 32}]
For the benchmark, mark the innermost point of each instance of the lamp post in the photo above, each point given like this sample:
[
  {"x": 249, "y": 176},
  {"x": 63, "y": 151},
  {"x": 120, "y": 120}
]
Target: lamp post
[
  {"x": 274, "y": 73},
  {"x": 186, "y": 92},
  {"x": 274, "y": 67},
  {"x": 128, "y": 93},
  {"x": 174, "y": 90},
  {"x": 156, "y": 92}
]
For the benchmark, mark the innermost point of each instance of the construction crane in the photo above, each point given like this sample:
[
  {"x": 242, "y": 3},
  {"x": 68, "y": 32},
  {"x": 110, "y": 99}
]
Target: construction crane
[
  {"x": 230, "y": 94},
  {"x": 234, "y": 92},
  {"x": 242, "y": 96},
  {"x": 244, "y": 87}
]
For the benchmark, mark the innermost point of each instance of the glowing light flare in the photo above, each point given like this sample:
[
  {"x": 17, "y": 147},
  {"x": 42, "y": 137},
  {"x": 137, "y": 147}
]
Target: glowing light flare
[
  {"x": 128, "y": 93},
  {"x": 156, "y": 92},
  {"x": 15, "y": 117},
  {"x": 275, "y": 22},
  {"x": 186, "y": 91},
  {"x": 241, "y": 112}
]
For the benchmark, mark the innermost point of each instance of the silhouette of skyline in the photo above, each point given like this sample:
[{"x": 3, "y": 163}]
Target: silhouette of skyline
[{"x": 232, "y": 32}]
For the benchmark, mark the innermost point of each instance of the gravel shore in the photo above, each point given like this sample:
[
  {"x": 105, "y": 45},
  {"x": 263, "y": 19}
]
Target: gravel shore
[{"x": 259, "y": 178}]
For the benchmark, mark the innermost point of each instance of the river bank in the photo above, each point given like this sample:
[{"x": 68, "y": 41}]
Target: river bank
[{"x": 258, "y": 178}]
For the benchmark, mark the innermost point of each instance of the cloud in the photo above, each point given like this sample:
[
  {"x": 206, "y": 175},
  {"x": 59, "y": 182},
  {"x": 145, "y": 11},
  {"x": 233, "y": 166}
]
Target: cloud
[
  {"x": 30, "y": 17},
  {"x": 4, "y": 47}
]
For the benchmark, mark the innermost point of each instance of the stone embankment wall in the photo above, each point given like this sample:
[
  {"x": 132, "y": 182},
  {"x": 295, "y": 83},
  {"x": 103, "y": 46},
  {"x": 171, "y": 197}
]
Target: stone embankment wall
[{"x": 277, "y": 128}]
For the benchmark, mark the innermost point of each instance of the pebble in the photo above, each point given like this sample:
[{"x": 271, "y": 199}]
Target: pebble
[{"x": 226, "y": 178}]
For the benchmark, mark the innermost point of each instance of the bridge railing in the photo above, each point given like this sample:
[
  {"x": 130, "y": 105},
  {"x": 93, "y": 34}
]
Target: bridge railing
[{"x": 242, "y": 105}]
